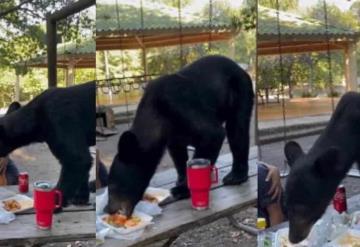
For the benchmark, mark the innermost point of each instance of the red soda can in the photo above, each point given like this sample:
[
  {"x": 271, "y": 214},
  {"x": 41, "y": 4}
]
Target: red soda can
[
  {"x": 23, "y": 182},
  {"x": 339, "y": 200}
]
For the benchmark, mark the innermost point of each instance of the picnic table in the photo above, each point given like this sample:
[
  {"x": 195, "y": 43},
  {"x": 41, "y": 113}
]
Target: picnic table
[
  {"x": 353, "y": 205},
  {"x": 72, "y": 224},
  {"x": 178, "y": 217}
]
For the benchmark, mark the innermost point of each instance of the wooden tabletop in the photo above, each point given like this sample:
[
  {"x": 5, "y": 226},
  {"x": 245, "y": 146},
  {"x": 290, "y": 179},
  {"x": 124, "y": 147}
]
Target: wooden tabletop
[
  {"x": 179, "y": 217},
  {"x": 74, "y": 223}
]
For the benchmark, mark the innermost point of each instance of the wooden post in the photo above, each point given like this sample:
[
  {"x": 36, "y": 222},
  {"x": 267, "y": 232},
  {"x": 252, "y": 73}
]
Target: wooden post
[
  {"x": 71, "y": 69},
  {"x": 144, "y": 62},
  {"x": 17, "y": 88},
  {"x": 232, "y": 47},
  {"x": 69, "y": 75},
  {"x": 51, "y": 52},
  {"x": 106, "y": 64},
  {"x": 351, "y": 67}
]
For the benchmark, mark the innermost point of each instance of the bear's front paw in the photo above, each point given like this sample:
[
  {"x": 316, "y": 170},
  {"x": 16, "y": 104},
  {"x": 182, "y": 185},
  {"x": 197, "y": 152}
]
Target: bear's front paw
[
  {"x": 235, "y": 178},
  {"x": 180, "y": 192},
  {"x": 81, "y": 199}
]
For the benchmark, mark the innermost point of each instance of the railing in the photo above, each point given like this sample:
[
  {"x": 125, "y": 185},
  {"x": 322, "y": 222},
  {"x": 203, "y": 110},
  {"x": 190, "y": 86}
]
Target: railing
[{"x": 123, "y": 84}]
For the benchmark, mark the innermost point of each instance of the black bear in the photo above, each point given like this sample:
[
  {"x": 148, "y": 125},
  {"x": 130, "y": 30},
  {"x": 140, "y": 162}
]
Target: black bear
[
  {"x": 64, "y": 118},
  {"x": 315, "y": 176},
  {"x": 185, "y": 108}
]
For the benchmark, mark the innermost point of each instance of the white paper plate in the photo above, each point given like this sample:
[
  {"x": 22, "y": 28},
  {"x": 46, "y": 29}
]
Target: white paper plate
[
  {"x": 24, "y": 201},
  {"x": 282, "y": 236},
  {"x": 344, "y": 240},
  {"x": 159, "y": 193},
  {"x": 145, "y": 221},
  {"x": 355, "y": 221}
]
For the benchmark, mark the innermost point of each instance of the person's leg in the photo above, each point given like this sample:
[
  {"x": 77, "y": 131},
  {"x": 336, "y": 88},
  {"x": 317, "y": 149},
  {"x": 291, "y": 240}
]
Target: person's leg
[{"x": 12, "y": 173}]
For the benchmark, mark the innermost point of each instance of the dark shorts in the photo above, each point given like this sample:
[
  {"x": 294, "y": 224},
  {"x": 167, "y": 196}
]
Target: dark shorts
[{"x": 12, "y": 173}]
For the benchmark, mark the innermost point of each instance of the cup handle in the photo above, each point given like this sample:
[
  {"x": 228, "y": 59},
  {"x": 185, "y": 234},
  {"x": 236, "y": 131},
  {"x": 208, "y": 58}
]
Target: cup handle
[
  {"x": 59, "y": 199},
  {"x": 215, "y": 179}
]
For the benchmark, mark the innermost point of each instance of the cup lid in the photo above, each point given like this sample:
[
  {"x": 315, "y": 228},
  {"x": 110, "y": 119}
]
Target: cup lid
[
  {"x": 198, "y": 163},
  {"x": 44, "y": 185}
]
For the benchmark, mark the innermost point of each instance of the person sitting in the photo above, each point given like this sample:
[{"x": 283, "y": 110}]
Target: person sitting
[
  {"x": 101, "y": 175},
  {"x": 270, "y": 195},
  {"x": 8, "y": 172}
]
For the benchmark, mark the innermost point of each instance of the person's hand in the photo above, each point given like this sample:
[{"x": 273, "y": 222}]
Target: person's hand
[{"x": 274, "y": 177}]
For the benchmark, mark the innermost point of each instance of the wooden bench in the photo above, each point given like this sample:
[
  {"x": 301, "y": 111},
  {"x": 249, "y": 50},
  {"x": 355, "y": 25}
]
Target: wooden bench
[
  {"x": 73, "y": 224},
  {"x": 179, "y": 217}
]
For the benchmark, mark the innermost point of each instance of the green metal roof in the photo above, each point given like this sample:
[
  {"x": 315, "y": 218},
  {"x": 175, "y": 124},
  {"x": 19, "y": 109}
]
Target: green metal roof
[
  {"x": 155, "y": 16},
  {"x": 72, "y": 48},
  {"x": 85, "y": 48},
  {"x": 296, "y": 25}
]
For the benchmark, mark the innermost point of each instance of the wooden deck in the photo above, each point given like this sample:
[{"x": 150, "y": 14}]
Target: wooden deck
[
  {"x": 297, "y": 107},
  {"x": 74, "y": 223},
  {"x": 179, "y": 217}
]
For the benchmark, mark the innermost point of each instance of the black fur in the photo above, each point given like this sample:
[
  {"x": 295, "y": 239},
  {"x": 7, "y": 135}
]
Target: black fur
[
  {"x": 315, "y": 176},
  {"x": 65, "y": 120},
  {"x": 185, "y": 108}
]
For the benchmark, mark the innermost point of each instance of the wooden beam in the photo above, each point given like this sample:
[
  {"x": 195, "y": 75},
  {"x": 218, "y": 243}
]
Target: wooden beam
[
  {"x": 159, "y": 31},
  {"x": 104, "y": 44},
  {"x": 156, "y": 39},
  {"x": 298, "y": 49},
  {"x": 272, "y": 44},
  {"x": 351, "y": 68}
]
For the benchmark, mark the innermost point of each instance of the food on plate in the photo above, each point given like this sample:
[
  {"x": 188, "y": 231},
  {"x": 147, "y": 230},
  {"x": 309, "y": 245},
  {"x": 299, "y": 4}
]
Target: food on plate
[
  {"x": 150, "y": 198},
  {"x": 11, "y": 205},
  {"x": 349, "y": 241},
  {"x": 119, "y": 220},
  {"x": 284, "y": 242}
]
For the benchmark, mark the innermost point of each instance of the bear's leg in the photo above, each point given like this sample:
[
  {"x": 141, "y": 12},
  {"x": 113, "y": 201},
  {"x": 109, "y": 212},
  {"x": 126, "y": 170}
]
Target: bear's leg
[
  {"x": 178, "y": 153},
  {"x": 74, "y": 180},
  {"x": 82, "y": 195},
  {"x": 75, "y": 160},
  {"x": 237, "y": 128}
]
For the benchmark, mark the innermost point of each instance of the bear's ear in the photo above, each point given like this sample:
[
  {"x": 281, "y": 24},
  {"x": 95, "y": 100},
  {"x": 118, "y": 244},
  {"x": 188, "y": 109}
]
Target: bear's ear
[
  {"x": 328, "y": 163},
  {"x": 13, "y": 107},
  {"x": 292, "y": 152},
  {"x": 128, "y": 146}
]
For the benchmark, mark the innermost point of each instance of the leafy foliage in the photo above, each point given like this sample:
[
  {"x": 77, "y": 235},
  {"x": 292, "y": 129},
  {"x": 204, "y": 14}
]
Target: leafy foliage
[{"x": 22, "y": 36}]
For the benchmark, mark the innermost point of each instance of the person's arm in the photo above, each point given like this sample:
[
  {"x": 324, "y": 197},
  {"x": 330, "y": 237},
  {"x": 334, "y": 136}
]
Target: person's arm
[
  {"x": 276, "y": 215},
  {"x": 274, "y": 178}
]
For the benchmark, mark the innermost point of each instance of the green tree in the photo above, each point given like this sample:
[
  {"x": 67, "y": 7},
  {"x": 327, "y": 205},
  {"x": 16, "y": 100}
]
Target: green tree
[
  {"x": 283, "y": 4},
  {"x": 22, "y": 27}
]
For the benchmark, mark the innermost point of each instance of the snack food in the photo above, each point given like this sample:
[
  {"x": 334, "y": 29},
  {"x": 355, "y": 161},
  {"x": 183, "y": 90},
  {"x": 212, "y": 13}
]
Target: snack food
[
  {"x": 11, "y": 205},
  {"x": 349, "y": 241},
  {"x": 119, "y": 220},
  {"x": 150, "y": 198},
  {"x": 284, "y": 242}
]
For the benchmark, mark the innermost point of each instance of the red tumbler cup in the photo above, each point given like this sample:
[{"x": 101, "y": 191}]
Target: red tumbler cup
[
  {"x": 46, "y": 199},
  {"x": 199, "y": 177}
]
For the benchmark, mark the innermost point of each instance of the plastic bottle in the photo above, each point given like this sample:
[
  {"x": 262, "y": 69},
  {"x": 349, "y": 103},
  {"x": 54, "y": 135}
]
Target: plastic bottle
[{"x": 263, "y": 239}]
